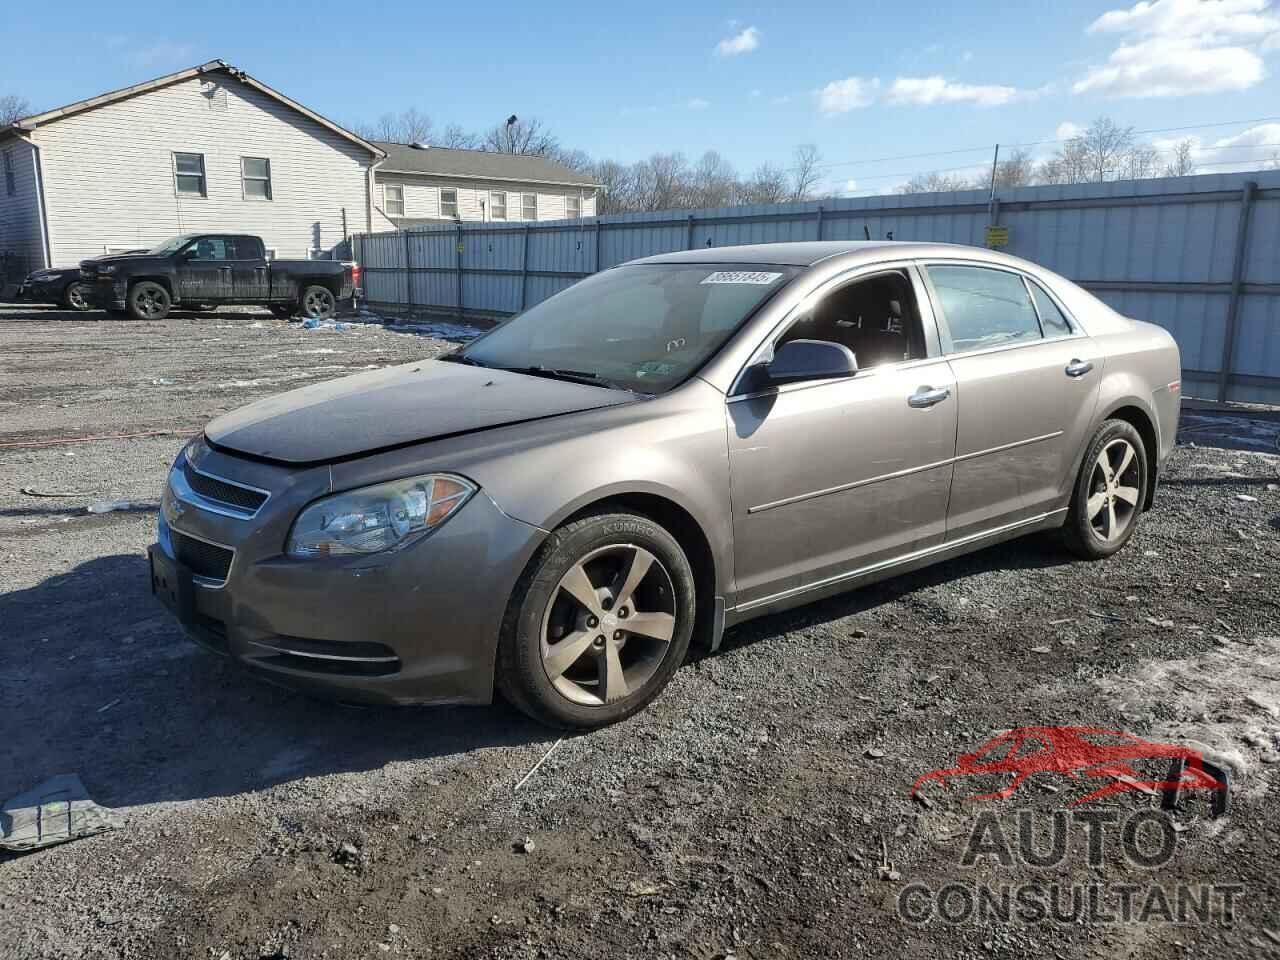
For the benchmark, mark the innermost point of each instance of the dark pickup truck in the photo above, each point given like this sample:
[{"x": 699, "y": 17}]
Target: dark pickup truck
[{"x": 208, "y": 269}]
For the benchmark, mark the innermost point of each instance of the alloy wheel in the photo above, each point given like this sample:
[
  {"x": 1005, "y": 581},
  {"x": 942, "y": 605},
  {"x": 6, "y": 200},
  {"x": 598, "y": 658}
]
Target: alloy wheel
[
  {"x": 318, "y": 304},
  {"x": 76, "y": 297},
  {"x": 608, "y": 625},
  {"x": 150, "y": 303},
  {"x": 1114, "y": 490}
]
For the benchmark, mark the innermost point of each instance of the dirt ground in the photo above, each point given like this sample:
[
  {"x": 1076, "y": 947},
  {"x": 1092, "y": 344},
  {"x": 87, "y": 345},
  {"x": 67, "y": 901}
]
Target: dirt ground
[{"x": 760, "y": 808}]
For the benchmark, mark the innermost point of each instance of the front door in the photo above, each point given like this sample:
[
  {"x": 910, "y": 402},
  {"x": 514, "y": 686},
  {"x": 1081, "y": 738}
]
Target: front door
[
  {"x": 204, "y": 270},
  {"x": 1026, "y": 381},
  {"x": 832, "y": 477}
]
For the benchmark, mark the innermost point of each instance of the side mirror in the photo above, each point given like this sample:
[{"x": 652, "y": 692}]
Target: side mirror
[
  {"x": 187, "y": 255},
  {"x": 798, "y": 360}
]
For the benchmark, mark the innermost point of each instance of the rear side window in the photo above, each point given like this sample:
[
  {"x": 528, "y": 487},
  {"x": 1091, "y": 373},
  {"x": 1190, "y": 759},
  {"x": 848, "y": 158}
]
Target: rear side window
[
  {"x": 1051, "y": 318},
  {"x": 984, "y": 308}
]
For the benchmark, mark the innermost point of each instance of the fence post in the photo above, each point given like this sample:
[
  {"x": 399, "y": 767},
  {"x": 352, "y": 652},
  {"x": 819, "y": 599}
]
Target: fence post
[
  {"x": 820, "y": 213},
  {"x": 458, "y": 262},
  {"x": 1237, "y": 288},
  {"x": 408, "y": 273},
  {"x": 689, "y": 240},
  {"x": 524, "y": 268},
  {"x": 595, "y": 265}
]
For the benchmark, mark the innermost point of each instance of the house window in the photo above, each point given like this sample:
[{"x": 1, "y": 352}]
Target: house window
[
  {"x": 393, "y": 199},
  {"x": 529, "y": 206},
  {"x": 498, "y": 206},
  {"x": 573, "y": 207},
  {"x": 255, "y": 173},
  {"x": 188, "y": 174},
  {"x": 10, "y": 184},
  {"x": 449, "y": 204}
]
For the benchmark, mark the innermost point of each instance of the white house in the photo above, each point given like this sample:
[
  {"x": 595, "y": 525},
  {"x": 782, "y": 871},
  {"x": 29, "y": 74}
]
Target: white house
[
  {"x": 420, "y": 184},
  {"x": 208, "y": 148}
]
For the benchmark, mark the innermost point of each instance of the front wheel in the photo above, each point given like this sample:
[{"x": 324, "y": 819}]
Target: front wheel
[
  {"x": 76, "y": 297},
  {"x": 149, "y": 301},
  {"x": 318, "y": 303},
  {"x": 1109, "y": 492},
  {"x": 598, "y": 623}
]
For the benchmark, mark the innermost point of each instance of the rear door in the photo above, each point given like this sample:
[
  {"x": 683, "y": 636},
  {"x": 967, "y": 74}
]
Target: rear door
[
  {"x": 250, "y": 277},
  {"x": 204, "y": 270},
  {"x": 831, "y": 477},
  {"x": 1026, "y": 382}
]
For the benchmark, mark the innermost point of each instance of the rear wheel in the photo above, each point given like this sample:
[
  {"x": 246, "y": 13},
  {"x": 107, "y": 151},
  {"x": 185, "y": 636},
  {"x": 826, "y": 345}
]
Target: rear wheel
[
  {"x": 1110, "y": 490},
  {"x": 318, "y": 303},
  {"x": 599, "y": 622},
  {"x": 149, "y": 301},
  {"x": 76, "y": 297}
]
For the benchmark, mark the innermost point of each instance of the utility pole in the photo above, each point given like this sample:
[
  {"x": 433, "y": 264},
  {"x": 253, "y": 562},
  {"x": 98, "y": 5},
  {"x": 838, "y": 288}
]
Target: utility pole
[{"x": 991, "y": 196}]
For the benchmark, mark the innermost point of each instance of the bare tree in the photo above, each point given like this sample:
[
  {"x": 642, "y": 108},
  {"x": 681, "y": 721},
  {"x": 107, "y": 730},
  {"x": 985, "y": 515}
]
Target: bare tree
[
  {"x": 1070, "y": 164},
  {"x": 407, "y": 126},
  {"x": 530, "y": 137},
  {"x": 617, "y": 181},
  {"x": 1106, "y": 145},
  {"x": 713, "y": 182},
  {"x": 457, "y": 138},
  {"x": 1183, "y": 163},
  {"x": 12, "y": 107},
  {"x": 934, "y": 183},
  {"x": 804, "y": 171},
  {"x": 768, "y": 184},
  {"x": 1142, "y": 162},
  {"x": 1017, "y": 170}
]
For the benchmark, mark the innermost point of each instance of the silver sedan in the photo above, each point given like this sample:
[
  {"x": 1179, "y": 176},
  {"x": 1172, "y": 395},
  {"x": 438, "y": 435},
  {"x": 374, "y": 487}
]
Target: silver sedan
[{"x": 665, "y": 449}]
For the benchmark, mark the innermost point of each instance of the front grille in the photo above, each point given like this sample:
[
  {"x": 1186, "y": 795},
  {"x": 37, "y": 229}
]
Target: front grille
[
  {"x": 222, "y": 491},
  {"x": 206, "y": 560}
]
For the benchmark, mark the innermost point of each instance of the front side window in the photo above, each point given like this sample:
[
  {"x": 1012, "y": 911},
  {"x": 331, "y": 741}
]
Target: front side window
[
  {"x": 211, "y": 248},
  {"x": 1052, "y": 319},
  {"x": 573, "y": 207},
  {"x": 498, "y": 206},
  {"x": 529, "y": 207},
  {"x": 984, "y": 307},
  {"x": 393, "y": 199},
  {"x": 188, "y": 175},
  {"x": 10, "y": 182},
  {"x": 255, "y": 174},
  {"x": 645, "y": 327},
  {"x": 876, "y": 317},
  {"x": 449, "y": 204}
]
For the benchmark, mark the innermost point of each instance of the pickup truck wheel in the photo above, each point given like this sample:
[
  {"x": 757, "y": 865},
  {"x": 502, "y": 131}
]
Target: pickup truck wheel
[
  {"x": 76, "y": 297},
  {"x": 149, "y": 301},
  {"x": 318, "y": 303}
]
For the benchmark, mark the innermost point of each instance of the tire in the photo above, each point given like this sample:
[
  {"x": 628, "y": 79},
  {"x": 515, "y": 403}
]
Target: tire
[
  {"x": 282, "y": 311},
  {"x": 76, "y": 297},
  {"x": 1109, "y": 492},
  {"x": 568, "y": 686},
  {"x": 318, "y": 303},
  {"x": 149, "y": 301}
]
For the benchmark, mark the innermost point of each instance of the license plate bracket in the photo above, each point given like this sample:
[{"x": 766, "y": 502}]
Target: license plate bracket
[{"x": 172, "y": 584}]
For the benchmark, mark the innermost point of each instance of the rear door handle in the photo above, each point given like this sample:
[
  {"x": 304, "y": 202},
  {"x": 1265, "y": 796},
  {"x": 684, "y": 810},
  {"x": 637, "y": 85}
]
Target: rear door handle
[
  {"x": 927, "y": 397},
  {"x": 1078, "y": 368}
]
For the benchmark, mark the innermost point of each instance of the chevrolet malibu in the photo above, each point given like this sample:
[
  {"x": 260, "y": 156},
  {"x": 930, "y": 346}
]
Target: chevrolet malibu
[{"x": 663, "y": 450}]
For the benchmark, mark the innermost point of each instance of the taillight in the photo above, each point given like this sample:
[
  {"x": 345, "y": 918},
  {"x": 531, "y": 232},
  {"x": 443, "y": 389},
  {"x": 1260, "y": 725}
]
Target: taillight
[{"x": 355, "y": 275}]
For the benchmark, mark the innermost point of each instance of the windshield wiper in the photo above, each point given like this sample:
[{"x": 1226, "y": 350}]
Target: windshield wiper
[
  {"x": 460, "y": 358},
  {"x": 574, "y": 376}
]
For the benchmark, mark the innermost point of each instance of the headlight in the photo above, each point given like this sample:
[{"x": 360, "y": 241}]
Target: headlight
[
  {"x": 373, "y": 519},
  {"x": 107, "y": 268}
]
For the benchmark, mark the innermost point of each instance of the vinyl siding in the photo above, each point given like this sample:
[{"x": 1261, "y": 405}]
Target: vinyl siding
[
  {"x": 20, "y": 213},
  {"x": 422, "y": 198},
  {"x": 109, "y": 172}
]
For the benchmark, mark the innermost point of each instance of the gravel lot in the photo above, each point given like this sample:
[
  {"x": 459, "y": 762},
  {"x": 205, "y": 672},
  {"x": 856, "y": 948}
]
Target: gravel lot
[{"x": 761, "y": 808}]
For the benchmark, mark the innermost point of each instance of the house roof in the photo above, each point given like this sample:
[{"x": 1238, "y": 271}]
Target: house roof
[
  {"x": 212, "y": 67},
  {"x": 477, "y": 165}
]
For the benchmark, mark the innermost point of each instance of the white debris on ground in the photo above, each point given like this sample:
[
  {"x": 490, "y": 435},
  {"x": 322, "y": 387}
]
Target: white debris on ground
[{"x": 1224, "y": 703}]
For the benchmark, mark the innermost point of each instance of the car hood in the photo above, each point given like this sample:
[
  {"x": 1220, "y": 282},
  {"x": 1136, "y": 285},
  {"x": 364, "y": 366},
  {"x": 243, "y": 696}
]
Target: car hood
[
  {"x": 390, "y": 408},
  {"x": 95, "y": 262}
]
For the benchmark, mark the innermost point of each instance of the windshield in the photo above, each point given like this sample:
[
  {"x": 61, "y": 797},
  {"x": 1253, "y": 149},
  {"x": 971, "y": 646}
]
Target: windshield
[
  {"x": 171, "y": 245},
  {"x": 644, "y": 327}
]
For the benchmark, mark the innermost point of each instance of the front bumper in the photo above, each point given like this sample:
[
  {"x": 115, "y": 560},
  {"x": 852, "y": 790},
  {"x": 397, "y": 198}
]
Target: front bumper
[{"x": 418, "y": 625}]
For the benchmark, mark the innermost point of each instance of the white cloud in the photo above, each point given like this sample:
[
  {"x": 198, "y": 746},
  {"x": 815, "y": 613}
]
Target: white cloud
[
  {"x": 936, "y": 89},
  {"x": 1271, "y": 43},
  {"x": 744, "y": 42},
  {"x": 1248, "y": 150},
  {"x": 850, "y": 186},
  {"x": 697, "y": 103},
  {"x": 852, "y": 93},
  {"x": 1066, "y": 130},
  {"x": 1179, "y": 47}
]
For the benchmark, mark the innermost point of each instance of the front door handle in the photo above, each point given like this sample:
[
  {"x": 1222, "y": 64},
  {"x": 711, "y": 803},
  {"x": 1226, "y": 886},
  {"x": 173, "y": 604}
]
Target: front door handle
[
  {"x": 1078, "y": 368},
  {"x": 927, "y": 397}
]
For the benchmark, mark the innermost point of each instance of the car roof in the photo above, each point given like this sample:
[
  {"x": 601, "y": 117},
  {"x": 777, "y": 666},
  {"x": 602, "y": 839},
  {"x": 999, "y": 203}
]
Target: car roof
[{"x": 809, "y": 252}]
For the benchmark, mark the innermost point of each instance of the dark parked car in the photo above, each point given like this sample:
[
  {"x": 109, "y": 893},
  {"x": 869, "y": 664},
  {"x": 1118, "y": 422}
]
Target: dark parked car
[
  {"x": 209, "y": 269},
  {"x": 664, "y": 449},
  {"x": 62, "y": 285}
]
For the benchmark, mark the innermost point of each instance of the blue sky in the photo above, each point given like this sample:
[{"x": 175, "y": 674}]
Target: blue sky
[{"x": 860, "y": 80}]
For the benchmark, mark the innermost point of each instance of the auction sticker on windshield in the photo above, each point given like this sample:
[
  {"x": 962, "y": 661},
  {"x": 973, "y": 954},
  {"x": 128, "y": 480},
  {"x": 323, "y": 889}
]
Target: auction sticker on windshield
[{"x": 742, "y": 276}]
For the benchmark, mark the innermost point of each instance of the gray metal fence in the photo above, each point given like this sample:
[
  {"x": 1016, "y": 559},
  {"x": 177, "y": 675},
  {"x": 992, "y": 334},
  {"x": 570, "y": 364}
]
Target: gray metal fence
[{"x": 1197, "y": 255}]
